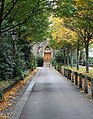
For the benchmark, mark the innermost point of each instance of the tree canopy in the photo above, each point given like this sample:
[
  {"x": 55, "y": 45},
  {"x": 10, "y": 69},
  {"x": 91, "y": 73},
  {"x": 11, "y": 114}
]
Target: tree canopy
[
  {"x": 29, "y": 20},
  {"x": 27, "y": 16},
  {"x": 78, "y": 16}
]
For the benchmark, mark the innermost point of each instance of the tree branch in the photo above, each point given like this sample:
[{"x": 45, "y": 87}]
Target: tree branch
[
  {"x": 1, "y": 10},
  {"x": 9, "y": 11},
  {"x": 30, "y": 14}
]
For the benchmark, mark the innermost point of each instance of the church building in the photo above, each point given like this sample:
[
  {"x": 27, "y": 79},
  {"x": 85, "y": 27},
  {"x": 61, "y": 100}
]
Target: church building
[{"x": 44, "y": 50}]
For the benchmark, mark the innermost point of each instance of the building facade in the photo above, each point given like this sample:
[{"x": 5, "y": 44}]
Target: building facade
[{"x": 44, "y": 50}]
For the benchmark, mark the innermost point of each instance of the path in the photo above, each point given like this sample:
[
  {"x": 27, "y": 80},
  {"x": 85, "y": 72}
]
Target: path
[{"x": 54, "y": 97}]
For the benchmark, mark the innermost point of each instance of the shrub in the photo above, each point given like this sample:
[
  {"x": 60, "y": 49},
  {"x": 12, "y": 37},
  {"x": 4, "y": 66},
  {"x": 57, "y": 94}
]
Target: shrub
[
  {"x": 39, "y": 61},
  {"x": 53, "y": 61},
  {"x": 6, "y": 61},
  {"x": 1, "y": 95},
  {"x": 59, "y": 57}
]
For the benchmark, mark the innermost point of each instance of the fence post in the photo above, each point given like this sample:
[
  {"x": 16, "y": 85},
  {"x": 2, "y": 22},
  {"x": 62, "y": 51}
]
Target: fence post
[
  {"x": 70, "y": 74},
  {"x": 80, "y": 80},
  {"x": 61, "y": 70},
  {"x": 72, "y": 77},
  {"x": 67, "y": 73},
  {"x": 76, "y": 80},
  {"x": 57, "y": 67},
  {"x": 86, "y": 85},
  {"x": 92, "y": 88},
  {"x": 64, "y": 71}
]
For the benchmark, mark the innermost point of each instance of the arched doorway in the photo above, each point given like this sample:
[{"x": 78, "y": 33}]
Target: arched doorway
[{"x": 47, "y": 54}]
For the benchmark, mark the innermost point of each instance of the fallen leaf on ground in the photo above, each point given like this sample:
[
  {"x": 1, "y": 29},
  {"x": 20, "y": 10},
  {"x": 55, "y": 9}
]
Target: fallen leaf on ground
[{"x": 11, "y": 94}]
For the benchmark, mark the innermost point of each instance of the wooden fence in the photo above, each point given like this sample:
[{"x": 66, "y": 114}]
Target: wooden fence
[{"x": 83, "y": 82}]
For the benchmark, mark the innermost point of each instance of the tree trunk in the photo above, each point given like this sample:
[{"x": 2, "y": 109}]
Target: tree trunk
[
  {"x": 87, "y": 64},
  {"x": 71, "y": 59},
  {"x": 80, "y": 59},
  {"x": 64, "y": 58},
  {"x": 68, "y": 59},
  {"x": 77, "y": 55},
  {"x": 1, "y": 13},
  {"x": 0, "y": 29}
]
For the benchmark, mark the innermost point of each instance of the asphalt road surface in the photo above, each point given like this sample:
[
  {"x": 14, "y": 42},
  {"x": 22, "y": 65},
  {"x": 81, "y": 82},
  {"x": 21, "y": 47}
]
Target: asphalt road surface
[{"x": 54, "y": 97}]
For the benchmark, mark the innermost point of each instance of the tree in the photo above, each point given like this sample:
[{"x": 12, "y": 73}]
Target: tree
[
  {"x": 16, "y": 12},
  {"x": 39, "y": 61},
  {"x": 6, "y": 60},
  {"x": 38, "y": 30},
  {"x": 80, "y": 14},
  {"x": 29, "y": 19},
  {"x": 59, "y": 59},
  {"x": 63, "y": 38},
  {"x": 85, "y": 25}
]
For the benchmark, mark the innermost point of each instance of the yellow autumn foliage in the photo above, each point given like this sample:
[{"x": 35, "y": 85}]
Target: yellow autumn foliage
[
  {"x": 60, "y": 33},
  {"x": 84, "y": 6}
]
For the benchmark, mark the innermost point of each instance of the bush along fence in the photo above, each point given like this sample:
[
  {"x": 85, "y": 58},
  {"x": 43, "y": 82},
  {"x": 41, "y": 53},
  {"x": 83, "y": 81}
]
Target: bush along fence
[
  {"x": 7, "y": 88},
  {"x": 15, "y": 82},
  {"x": 84, "y": 83}
]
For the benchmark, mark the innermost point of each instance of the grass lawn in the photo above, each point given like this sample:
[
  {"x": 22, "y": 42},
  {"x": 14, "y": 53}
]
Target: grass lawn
[{"x": 83, "y": 71}]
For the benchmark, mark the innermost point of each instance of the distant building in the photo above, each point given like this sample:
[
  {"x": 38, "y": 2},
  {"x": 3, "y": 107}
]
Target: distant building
[{"x": 44, "y": 50}]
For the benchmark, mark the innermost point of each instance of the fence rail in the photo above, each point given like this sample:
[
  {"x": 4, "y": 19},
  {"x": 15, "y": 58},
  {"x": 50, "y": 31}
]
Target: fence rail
[{"x": 84, "y": 83}]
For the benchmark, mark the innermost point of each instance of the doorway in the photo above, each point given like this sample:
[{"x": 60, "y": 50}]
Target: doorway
[{"x": 47, "y": 54}]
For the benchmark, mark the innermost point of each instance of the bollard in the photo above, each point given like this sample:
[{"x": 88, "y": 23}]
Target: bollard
[
  {"x": 92, "y": 88},
  {"x": 86, "y": 85},
  {"x": 76, "y": 78},
  {"x": 80, "y": 80}
]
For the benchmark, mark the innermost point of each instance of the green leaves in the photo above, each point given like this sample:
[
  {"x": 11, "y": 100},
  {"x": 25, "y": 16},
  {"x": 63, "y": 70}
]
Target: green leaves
[
  {"x": 6, "y": 61},
  {"x": 30, "y": 20},
  {"x": 65, "y": 8},
  {"x": 17, "y": 62},
  {"x": 19, "y": 12},
  {"x": 39, "y": 61}
]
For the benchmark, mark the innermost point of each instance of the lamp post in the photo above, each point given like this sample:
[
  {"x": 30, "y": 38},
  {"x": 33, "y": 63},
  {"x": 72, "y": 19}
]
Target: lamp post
[
  {"x": 13, "y": 35},
  {"x": 53, "y": 4}
]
